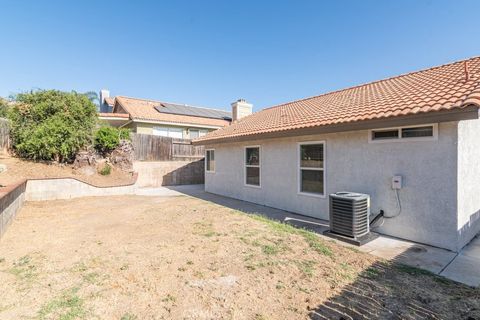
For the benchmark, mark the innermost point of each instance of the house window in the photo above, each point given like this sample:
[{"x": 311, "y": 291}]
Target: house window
[
  {"x": 385, "y": 134},
  {"x": 312, "y": 168},
  {"x": 203, "y": 132},
  {"x": 168, "y": 132},
  {"x": 210, "y": 160},
  {"x": 417, "y": 132},
  {"x": 425, "y": 132},
  {"x": 194, "y": 134},
  {"x": 252, "y": 166}
]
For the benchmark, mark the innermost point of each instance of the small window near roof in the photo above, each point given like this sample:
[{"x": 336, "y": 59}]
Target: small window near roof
[
  {"x": 210, "y": 160},
  {"x": 417, "y": 132},
  {"x": 384, "y": 134},
  {"x": 425, "y": 132}
]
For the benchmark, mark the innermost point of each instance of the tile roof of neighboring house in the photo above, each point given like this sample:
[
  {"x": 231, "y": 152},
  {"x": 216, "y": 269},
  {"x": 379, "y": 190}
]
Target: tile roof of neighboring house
[
  {"x": 113, "y": 115},
  {"x": 149, "y": 110},
  {"x": 110, "y": 101},
  {"x": 446, "y": 87}
]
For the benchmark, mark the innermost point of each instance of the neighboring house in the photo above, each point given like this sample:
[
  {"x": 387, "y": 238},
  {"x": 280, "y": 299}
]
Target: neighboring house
[
  {"x": 166, "y": 119},
  {"x": 422, "y": 126}
]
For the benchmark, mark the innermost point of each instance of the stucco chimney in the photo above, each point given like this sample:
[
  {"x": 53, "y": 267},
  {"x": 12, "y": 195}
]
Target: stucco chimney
[
  {"x": 104, "y": 93},
  {"x": 240, "y": 109}
]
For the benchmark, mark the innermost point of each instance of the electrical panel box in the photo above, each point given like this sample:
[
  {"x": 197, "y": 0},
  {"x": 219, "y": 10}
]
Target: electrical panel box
[{"x": 397, "y": 182}]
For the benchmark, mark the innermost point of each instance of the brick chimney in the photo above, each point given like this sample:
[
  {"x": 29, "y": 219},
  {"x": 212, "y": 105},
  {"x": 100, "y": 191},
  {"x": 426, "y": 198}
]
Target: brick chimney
[{"x": 240, "y": 109}]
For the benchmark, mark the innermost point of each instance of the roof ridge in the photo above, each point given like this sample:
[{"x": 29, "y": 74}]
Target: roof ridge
[
  {"x": 374, "y": 82},
  {"x": 175, "y": 103}
]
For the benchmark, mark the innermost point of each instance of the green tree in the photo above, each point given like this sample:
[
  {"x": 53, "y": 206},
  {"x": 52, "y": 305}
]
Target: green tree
[
  {"x": 92, "y": 96},
  {"x": 51, "y": 125},
  {"x": 4, "y": 106}
]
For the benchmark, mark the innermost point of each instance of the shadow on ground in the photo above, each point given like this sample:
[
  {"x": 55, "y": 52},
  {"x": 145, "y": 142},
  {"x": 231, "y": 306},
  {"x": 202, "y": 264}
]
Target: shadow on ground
[
  {"x": 391, "y": 290},
  {"x": 385, "y": 290},
  {"x": 312, "y": 224}
]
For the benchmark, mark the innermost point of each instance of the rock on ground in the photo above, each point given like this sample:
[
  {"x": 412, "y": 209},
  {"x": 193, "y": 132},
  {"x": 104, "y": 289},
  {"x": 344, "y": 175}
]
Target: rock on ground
[{"x": 122, "y": 156}]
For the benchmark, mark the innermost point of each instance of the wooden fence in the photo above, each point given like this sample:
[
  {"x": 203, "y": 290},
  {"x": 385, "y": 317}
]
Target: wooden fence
[{"x": 156, "y": 148}]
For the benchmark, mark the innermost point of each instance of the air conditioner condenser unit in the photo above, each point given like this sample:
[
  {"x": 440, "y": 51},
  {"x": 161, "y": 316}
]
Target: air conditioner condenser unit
[{"x": 349, "y": 217}]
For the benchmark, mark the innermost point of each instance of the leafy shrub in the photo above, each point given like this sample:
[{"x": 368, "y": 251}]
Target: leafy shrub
[
  {"x": 51, "y": 125},
  {"x": 106, "y": 170},
  {"x": 107, "y": 138},
  {"x": 4, "y": 106}
]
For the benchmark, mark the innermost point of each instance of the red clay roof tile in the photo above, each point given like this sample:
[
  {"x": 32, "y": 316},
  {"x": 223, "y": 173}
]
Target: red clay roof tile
[{"x": 439, "y": 88}]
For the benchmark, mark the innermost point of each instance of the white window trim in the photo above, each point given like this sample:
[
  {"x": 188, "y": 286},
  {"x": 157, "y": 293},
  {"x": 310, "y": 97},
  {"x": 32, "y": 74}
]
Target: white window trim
[
  {"x": 177, "y": 129},
  {"x": 208, "y": 171},
  {"x": 400, "y": 139},
  {"x": 253, "y": 166},
  {"x": 324, "y": 169}
]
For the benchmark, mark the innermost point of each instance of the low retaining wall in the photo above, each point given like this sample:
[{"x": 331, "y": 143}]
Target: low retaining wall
[
  {"x": 68, "y": 188},
  {"x": 11, "y": 200},
  {"x": 152, "y": 174},
  {"x": 169, "y": 173}
]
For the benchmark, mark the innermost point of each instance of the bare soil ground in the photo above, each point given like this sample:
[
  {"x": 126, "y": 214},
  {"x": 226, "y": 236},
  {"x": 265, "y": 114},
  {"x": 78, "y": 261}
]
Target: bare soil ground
[
  {"x": 184, "y": 258},
  {"x": 18, "y": 169}
]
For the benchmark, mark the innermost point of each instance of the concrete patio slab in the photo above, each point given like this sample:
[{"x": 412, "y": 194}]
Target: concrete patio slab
[
  {"x": 464, "y": 269},
  {"x": 410, "y": 253}
]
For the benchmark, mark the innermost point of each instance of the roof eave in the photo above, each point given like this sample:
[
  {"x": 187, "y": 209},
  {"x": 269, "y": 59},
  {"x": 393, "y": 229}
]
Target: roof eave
[{"x": 469, "y": 112}]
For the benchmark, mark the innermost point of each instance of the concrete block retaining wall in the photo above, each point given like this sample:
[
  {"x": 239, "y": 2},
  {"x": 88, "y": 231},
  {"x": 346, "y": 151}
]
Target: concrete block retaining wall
[
  {"x": 11, "y": 200},
  {"x": 13, "y": 197},
  {"x": 169, "y": 173},
  {"x": 150, "y": 174},
  {"x": 67, "y": 188}
]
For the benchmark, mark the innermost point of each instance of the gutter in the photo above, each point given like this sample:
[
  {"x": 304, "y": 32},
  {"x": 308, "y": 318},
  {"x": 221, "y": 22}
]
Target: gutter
[
  {"x": 469, "y": 112},
  {"x": 126, "y": 123}
]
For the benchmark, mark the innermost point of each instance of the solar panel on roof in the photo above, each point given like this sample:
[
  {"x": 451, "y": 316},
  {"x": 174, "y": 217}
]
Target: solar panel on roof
[{"x": 193, "y": 111}]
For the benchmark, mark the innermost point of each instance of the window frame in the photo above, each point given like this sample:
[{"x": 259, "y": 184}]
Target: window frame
[
  {"x": 174, "y": 129},
  {"x": 190, "y": 133},
  {"x": 434, "y": 137},
  {"x": 300, "y": 168},
  {"x": 206, "y": 160},
  {"x": 259, "y": 166}
]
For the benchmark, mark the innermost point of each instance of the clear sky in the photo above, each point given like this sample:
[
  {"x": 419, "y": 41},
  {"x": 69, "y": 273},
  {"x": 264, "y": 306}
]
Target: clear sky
[{"x": 210, "y": 53}]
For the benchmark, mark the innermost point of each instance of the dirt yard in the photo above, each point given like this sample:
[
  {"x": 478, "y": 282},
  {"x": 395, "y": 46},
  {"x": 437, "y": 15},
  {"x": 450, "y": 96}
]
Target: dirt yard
[
  {"x": 185, "y": 258},
  {"x": 18, "y": 169}
]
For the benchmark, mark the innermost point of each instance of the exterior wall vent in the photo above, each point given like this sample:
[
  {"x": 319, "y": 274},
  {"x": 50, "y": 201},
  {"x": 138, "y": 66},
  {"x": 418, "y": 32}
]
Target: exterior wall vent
[{"x": 349, "y": 214}]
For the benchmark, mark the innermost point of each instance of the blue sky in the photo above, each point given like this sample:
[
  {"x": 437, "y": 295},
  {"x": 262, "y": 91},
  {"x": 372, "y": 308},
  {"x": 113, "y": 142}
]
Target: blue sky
[{"x": 210, "y": 53}]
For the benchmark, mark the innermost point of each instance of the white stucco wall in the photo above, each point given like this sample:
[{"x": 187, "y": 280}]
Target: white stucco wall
[
  {"x": 429, "y": 170},
  {"x": 468, "y": 181}
]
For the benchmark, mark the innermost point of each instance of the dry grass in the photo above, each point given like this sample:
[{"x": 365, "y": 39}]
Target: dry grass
[
  {"x": 184, "y": 258},
  {"x": 18, "y": 169}
]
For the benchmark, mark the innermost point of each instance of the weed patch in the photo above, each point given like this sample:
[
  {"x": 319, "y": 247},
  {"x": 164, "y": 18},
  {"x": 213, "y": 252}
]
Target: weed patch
[
  {"x": 307, "y": 267},
  {"x": 24, "y": 269},
  {"x": 68, "y": 306},
  {"x": 129, "y": 316},
  {"x": 311, "y": 238}
]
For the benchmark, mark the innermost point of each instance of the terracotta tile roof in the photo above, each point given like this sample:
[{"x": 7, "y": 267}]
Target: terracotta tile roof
[
  {"x": 110, "y": 101},
  {"x": 439, "y": 88},
  {"x": 141, "y": 109},
  {"x": 113, "y": 115}
]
